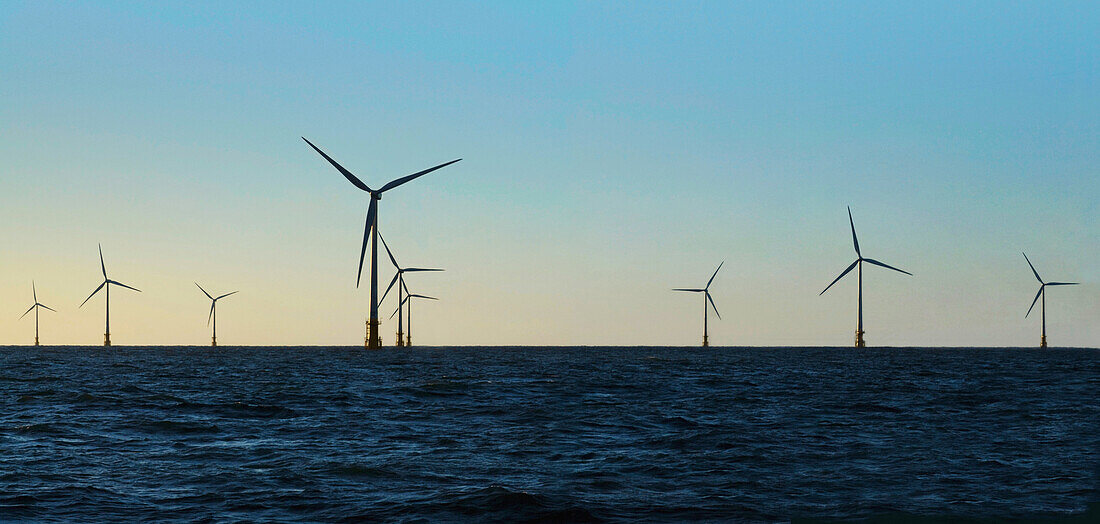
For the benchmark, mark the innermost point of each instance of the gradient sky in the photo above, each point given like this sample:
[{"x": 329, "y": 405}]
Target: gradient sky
[{"x": 611, "y": 151}]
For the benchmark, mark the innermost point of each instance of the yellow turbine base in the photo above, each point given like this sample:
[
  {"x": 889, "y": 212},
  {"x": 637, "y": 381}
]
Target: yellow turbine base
[
  {"x": 106, "y": 339},
  {"x": 1043, "y": 341},
  {"x": 859, "y": 340}
]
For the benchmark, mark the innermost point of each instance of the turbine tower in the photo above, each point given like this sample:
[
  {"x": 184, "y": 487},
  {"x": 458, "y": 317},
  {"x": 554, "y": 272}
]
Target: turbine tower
[
  {"x": 106, "y": 284},
  {"x": 706, "y": 298},
  {"x": 1042, "y": 293},
  {"x": 35, "y": 308},
  {"x": 374, "y": 339},
  {"x": 213, "y": 315},
  {"x": 408, "y": 318},
  {"x": 399, "y": 278},
  {"x": 859, "y": 263}
]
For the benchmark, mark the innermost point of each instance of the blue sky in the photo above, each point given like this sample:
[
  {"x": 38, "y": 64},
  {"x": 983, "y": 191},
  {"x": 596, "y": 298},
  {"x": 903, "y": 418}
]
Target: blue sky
[{"x": 611, "y": 151}]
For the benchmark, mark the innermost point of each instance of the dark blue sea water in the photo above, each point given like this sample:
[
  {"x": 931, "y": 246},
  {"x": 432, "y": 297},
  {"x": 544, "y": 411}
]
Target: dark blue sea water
[{"x": 547, "y": 434}]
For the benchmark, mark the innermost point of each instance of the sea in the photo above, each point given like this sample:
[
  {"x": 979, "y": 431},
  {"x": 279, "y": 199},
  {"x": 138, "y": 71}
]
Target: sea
[{"x": 549, "y": 434}]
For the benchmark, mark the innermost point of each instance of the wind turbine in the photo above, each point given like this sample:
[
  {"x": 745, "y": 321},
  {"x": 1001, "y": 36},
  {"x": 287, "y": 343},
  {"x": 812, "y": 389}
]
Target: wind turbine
[
  {"x": 859, "y": 262},
  {"x": 399, "y": 278},
  {"x": 408, "y": 298},
  {"x": 1042, "y": 293},
  {"x": 706, "y": 298},
  {"x": 35, "y": 308},
  {"x": 106, "y": 284},
  {"x": 374, "y": 340},
  {"x": 213, "y": 315}
]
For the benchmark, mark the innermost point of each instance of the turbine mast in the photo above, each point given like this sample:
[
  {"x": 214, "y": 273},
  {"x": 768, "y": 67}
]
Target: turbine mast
[
  {"x": 859, "y": 315},
  {"x": 705, "y": 342},
  {"x": 107, "y": 327},
  {"x": 1043, "y": 306},
  {"x": 374, "y": 338}
]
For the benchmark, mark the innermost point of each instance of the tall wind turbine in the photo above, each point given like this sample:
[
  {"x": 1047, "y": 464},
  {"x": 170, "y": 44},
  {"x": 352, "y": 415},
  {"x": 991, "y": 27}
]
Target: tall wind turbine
[
  {"x": 213, "y": 315},
  {"x": 106, "y": 284},
  {"x": 35, "y": 308},
  {"x": 859, "y": 262},
  {"x": 374, "y": 340},
  {"x": 1042, "y": 293},
  {"x": 399, "y": 278},
  {"x": 409, "y": 318},
  {"x": 706, "y": 298}
]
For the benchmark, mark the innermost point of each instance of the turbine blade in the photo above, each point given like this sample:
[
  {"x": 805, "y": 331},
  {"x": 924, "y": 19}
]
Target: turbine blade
[
  {"x": 347, "y": 174},
  {"x": 101, "y": 264},
  {"x": 204, "y": 291},
  {"x": 712, "y": 306},
  {"x": 404, "y": 179},
  {"x": 877, "y": 263},
  {"x": 838, "y": 278},
  {"x": 398, "y": 309},
  {"x": 423, "y": 296},
  {"x": 714, "y": 275},
  {"x": 392, "y": 282},
  {"x": 28, "y": 311},
  {"x": 404, "y": 286},
  {"x": 226, "y": 295},
  {"x": 1041, "y": 288},
  {"x": 124, "y": 285},
  {"x": 418, "y": 270},
  {"x": 211, "y": 315},
  {"x": 34, "y": 292},
  {"x": 855, "y": 241},
  {"x": 691, "y": 290},
  {"x": 388, "y": 252},
  {"x": 93, "y": 293},
  {"x": 1032, "y": 268},
  {"x": 1061, "y": 283},
  {"x": 371, "y": 212},
  {"x": 47, "y": 307}
]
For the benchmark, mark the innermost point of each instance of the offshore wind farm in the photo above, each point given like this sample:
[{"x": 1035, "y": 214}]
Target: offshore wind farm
[{"x": 586, "y": 161}]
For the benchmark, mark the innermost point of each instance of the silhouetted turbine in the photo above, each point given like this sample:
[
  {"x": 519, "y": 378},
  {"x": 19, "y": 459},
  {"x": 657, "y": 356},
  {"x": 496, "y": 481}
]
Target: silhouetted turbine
[
  {"x": 35, "y": 308},
  {"x": 106, "y": 284},
  {"x": 408, "y": 299},
  {"x": 213, "y": 315},
  {"x": 1042, "y": 293},
  {"x": 398, "y": 278},
  {"x": 373, "y": 338},
  {"x": 859, "y": 262},
  {"x": 706, "y": 298}
]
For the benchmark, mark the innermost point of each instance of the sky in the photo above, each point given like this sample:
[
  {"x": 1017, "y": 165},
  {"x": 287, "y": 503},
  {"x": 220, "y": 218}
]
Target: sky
[{"x": 611, "y": 151}]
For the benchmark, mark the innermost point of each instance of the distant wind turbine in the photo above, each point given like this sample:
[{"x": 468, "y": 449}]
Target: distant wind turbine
[
  {"x": 213, "y": 316},
  {"x": 106, "y": 284},
  {"x": 408, "y": 299},
  {"x": 1042, "y": 293},
  {"x": 706, "y": 298},
  {"x": 859, "y": 262},
  {"x": 35, "y": 308},
  {"x": 374, "y": 339},
  {"x": 399, "y": 279}
]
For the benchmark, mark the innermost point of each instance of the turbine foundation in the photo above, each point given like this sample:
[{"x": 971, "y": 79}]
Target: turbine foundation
[
  {"x": 859, "y": 339},
  {"x": 1043, "y": 341},
  {"x": 705, "y": 343},
  {"x": 106, "y": 340},
  {"x": 372, "y": 329},
  {"x": 408, "y": 341},
  {"x": 36, "y": 340},
  {"x": 400, "y": 339},
  {"x": 213, "y": 342}
]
